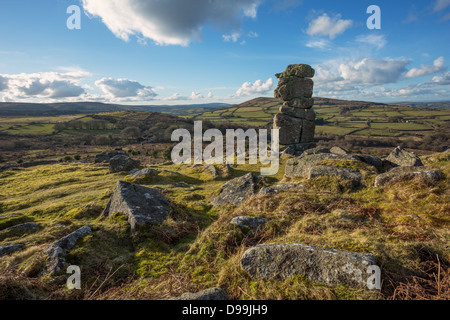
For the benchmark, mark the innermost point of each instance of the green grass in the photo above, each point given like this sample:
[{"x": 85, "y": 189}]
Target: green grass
[{"x": 198, "y": 248}]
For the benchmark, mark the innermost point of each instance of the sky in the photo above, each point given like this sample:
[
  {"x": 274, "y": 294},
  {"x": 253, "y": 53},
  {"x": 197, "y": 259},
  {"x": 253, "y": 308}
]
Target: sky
[{"x": 166, "y": 52}]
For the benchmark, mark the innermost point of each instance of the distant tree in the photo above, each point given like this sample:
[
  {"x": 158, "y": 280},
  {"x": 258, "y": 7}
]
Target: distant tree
[{"x": 131, "y": 133}]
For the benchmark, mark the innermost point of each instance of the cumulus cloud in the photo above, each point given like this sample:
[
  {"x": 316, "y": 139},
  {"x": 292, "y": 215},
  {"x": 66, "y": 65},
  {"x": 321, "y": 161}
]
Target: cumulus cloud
[
  {"x": 441, "y": 5},
  {"x": 328, "y": 26},
  {"x": 370, "y": 71},
  {"x": 378, "y": 41},
  {"x": 124, "y": 89},
  {"x": 441, "y": 80},
  {"x": 438, "y": 66},
  {"x": 3, "y": 84},
  {"x": 43, "y": 85},
  {"x": 170, "y": 22},
  {"x": 248, "y": 88}
]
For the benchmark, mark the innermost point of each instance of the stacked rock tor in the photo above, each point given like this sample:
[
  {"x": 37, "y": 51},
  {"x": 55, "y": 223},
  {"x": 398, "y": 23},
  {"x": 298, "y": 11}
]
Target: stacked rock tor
[{"x": 296, "y": 118}]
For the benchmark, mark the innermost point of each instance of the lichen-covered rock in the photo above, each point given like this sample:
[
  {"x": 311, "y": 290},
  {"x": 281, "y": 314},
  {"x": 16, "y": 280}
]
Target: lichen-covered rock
[
  {"x": 290, "y": 129},
  {"x": 338, "y": 150},
  {"x": 299, "y": 103},
  {"x": 300, "y": 166},
  {"x": 329, "y": 266},
  {"x": 145, "y": 173},
  {"x": 430, "y": 177},
  {"x": 401, "y": 157},
  {"x": 297, "y": 70},
  {"x": 217, "y": 294},
  {"x": 281, "y": 188},
  {"x": 236, "y": 191},
  {"x": 308, "y": 131},
  {"x": 143, "y": 206},
  {"x": 219, "y": 171},
  {"x": 291, "y": 88},
  {"x": 123, "y": 163},
  {"x": 56, "y": 252},
  {"x": 249, "y": 224},
  {"x": 352, "y": 175},
  {"x": 306, "y": 114},
  {"x": 9, "y": 249},
  {"x": 370, "y": 160},
  {"x": 107, "y": 156},
  {"x": 21, "y": 227},
  {"x": 297, "y": 149}
]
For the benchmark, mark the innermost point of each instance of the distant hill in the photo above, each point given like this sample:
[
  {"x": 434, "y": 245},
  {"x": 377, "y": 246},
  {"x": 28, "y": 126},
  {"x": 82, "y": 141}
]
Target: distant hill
[
  {"x": 431, "y": 105},
  {"x": 341, "y": 117},
  {"x": 54, "y": 109}
]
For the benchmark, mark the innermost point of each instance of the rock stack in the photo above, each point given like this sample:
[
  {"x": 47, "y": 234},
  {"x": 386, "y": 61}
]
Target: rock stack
[{"x": 296, "y": 118}]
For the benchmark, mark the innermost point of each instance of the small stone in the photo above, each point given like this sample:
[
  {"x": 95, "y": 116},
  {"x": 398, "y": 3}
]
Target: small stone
[
  {"x": 338, "y": 150},
  {"x": 249, "y": 224},
  {"x": 145, "y": 173},
  {"x": 212, "y": 294}
]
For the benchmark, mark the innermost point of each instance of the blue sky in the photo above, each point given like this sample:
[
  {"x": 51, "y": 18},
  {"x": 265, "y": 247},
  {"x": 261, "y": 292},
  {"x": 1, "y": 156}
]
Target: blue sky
[{"x": 204, "y": 51}]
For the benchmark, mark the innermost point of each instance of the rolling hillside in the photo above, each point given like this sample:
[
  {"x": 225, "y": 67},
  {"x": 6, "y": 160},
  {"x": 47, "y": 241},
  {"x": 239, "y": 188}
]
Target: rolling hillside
[{"x": 339, "y": 117}]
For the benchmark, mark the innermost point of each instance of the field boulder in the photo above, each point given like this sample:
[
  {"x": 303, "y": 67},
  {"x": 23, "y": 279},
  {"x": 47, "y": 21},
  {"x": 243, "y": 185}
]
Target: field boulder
[
  {"x": 56, "y": 252},
  {"x": 236, "y": 191},
  {"x": 401, "y": 157},
  {"x": 429, "y": 177},
  {"x": 142, "y": 205},
  {"x": 123, "y": 163},
  {"x": 301, "y": 166},
  {"x": 318, "y": 264}
]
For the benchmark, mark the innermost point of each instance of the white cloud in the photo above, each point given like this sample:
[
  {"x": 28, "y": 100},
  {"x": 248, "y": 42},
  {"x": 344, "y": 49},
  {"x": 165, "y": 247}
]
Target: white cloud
[
  {"x": 196, "y": 96},
  {"x": 43, "y": 85},
  {"x": 210, "y": 95},
  {"x": 441, "y": 5},
  {"x": 193, "y": 96},
  {"x": 3, "y": 84},
  {"x": 234, "y": 37},
  {"x": 441, "y": 80},
  {"x": 328, "y": 26},
  {"x": 253, "y": 34},
  {"x": 378, "y": 41},
  {"x": 370, "y": 71},
  {"x": 257, "y": 87},
  {"x": 319, "y": 44},
  {"x": 125, "y": 90},
  {"x": 438, "y": 66},
  {"x": 170, "y": 22}
]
